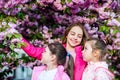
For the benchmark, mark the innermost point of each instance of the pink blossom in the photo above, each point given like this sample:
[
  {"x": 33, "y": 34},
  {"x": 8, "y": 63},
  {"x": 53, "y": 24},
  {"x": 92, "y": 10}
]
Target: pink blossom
[
  {"x": 49, "y": 1},
  {"x": 109, "y": 47},
  {"x": 117, "y": 40},
  {"x": 4, "y": 23},
  {"x": 47, "y": 35},
  {"x": 118, "y": 35},
  {"x": 95, "y": 35},
  {"x": 16, "y": 40},
  {"x": 113, "y": 22},
  {"x": 9, "y": 4},
  {"x": 58, "y": 5},
  {"x": 87, "y": 26},
  {"x": 78, "y": 1},
  {"x": 12, "y": 25},
  {"x": 116, "y": 47},
  {"x": 11, "y": 31},
  {"x": 45, "y": 29},
  {"x": 2, "y": 35},
  {"x": 104, "y": 15},
  {"x": 69, "y": 3}
]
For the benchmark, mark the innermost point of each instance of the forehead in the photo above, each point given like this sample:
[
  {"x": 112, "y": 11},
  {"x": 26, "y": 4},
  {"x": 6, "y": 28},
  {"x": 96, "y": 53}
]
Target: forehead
[{"x": 77, "y": 29}]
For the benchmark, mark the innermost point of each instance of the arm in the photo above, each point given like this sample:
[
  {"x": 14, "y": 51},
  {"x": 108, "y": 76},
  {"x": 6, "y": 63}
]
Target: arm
[{"x": 32, "y": 51}]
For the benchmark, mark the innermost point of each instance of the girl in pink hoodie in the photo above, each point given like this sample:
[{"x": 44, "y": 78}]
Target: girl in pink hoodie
[
  {"x": 97, "y": 69},
  {"x": 56, "y": 66},
  {"x": 73, "y": 40}
]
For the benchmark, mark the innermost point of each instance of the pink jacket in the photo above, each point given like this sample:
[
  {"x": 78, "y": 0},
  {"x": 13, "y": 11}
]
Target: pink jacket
[
  {"x": 60, "y": 75},
  {"x": 79, "y": 63}
]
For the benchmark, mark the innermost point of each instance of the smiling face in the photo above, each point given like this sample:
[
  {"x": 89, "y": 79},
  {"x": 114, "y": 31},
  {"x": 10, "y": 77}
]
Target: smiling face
[{"x": 74, "y": 36}]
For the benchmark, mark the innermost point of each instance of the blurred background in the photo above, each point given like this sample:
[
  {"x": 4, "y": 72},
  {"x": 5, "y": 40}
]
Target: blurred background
[{"x": 45, "y": 21}]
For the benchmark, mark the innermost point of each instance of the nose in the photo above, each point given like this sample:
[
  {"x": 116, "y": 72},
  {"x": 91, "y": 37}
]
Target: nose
[{"x": 75, "y": 37}]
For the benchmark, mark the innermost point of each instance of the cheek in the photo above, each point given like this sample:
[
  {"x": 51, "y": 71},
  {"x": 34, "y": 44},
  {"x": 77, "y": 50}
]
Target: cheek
[
  {"x": 44, "y": 56},
  {"x": 86, "y": 54},
  {"x": 79, "y": 40},
  {"x": 69, "y": 36}
]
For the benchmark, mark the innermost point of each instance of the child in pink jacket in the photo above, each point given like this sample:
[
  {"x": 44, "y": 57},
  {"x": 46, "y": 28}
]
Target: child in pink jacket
[
  {"x": 93, "y": 53},
  {"x": 73, "y": 41},
  {"x": 56, "y": 61}
]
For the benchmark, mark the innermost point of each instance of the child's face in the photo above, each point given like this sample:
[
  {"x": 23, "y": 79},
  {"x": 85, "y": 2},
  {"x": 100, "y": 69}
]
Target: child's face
[
  {"x": 47, "y": 56},
  {"x": 87, "y": 52},
  {"x": 74, "y": 36}
]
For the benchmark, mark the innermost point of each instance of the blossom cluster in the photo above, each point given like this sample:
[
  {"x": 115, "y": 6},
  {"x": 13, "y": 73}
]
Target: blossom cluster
[{"x": 45, "y": 21}]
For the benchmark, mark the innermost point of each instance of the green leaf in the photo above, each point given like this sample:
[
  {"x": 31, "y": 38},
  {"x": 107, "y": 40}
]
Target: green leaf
[
  {"x": 115, "y": 31},
  {"x": 62, "y": 2},
  {"x": 21, "y": 15},
  {"x": 2, "y": 46},
  {"x": 43, "y": 19},
  {"x": 104, "y": 29},
  {"x": 39, "y": 35},
  {"x": 69, "y": 1},
  {"x": 2, "y": 16},
  {"x": 23, "y": 44},
  {"x": 13, "y": 54},
  {"x": 67, "y": 10},
  {"x": 19, "y": 45},
  {"x": 9, "y": 36},
  {"x": 12, "y": 46},
  {"x": 10, "y": 19},
  {"x": 16, "y": 35},
  {"x": 1, "y": 57}
]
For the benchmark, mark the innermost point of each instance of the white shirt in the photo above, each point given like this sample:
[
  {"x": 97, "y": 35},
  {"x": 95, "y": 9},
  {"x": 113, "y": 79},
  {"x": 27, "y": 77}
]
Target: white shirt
[{"x": 47, "y": 75}]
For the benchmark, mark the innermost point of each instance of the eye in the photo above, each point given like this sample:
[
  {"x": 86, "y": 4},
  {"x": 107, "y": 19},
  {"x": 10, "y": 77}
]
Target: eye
[
  {"x": 72, "y": 33},
  {"x": 79, "y": 36}
]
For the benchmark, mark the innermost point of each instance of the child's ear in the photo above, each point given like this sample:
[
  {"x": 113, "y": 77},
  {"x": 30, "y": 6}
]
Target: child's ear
[
  {"x": 53, "y": 57},
  {"x": 96, "y": 53}
]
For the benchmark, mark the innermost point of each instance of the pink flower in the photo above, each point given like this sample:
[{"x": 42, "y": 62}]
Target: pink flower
[
  {"x": 16, "y": 40},
  {"x": 58, "y": 5},
  {"x": 12, "y": 25},
  {"x": 49, "y": 1},
  {"x": 69, "y": 3},
  {"x": 113, "y": 22},
  {"x": 78, "y": 1},
  {"x": 104, "y": 15},
  {"x": 45, "y": 29},
  {"x": 118, "y": 35},
  {"x": 109, "y": 47}
]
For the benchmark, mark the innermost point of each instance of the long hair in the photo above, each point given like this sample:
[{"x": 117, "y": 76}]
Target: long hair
[
  {"x": 85, "y": 34},
  {"x": 61, "y": 55}
]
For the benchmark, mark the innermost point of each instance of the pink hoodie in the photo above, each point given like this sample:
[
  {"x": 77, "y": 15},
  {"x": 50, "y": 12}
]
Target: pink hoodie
[
  {"x": 79, "y": 63},
  {"x": 60, "y": 75}
]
